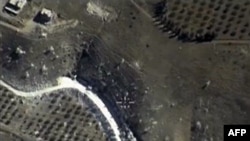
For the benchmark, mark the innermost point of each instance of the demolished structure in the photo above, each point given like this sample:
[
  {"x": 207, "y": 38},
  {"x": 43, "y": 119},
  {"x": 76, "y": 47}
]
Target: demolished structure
[{"x": 44, "y": 16}]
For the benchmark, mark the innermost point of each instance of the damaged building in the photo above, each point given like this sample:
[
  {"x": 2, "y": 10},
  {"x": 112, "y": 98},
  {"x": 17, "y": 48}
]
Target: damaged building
[{"x": 44, "y": 16}]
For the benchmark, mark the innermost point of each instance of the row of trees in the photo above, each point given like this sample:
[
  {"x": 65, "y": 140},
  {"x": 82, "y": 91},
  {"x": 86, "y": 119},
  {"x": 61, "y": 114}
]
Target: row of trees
[{"x": 174, "y": 30}]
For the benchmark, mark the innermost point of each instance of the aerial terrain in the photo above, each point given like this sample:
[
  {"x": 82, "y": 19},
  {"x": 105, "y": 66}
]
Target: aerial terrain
[{"x": 123, "y": 70}]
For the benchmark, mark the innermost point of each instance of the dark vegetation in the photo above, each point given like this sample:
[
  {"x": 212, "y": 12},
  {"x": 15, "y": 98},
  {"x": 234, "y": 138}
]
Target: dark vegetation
[{"x": 165, "y": 24}]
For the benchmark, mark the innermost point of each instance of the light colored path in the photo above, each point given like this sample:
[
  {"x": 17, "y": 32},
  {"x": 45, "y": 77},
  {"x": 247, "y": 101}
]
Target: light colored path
[
  {"x": 64, "y": 83},
  {"x": 141, "y": 9}
]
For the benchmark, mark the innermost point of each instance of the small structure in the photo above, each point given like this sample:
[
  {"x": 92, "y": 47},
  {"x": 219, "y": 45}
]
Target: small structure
[
  {"x": 44, "y": 16},
  {"x": 15, "y": 6}
]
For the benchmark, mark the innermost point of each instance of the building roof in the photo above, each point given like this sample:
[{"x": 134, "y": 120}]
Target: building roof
[
  {"x": 44, "y": 16},
  {"x": 47, "y": 12},
  {"x": 18, "y": 3}
]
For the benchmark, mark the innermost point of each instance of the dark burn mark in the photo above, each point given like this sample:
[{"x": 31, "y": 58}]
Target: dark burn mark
[
  {"x": 112, "y": 81},
  {"x": 14, "y": 56}
]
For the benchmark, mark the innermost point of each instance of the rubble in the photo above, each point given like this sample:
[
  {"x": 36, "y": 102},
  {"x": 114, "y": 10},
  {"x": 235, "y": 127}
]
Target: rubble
[
  {"x": 122, "y": 61},
  {"x": 172, "y": 105},
  {"x": 27, "y": 74},
  {"x": 154, "y": 122},
  {"x": 44, "y": 35},
  {"x": 206, "y": 84},
  {"x": 167, "y": 138},
  {"x": 198, "y": 125},
  {"x": 20, "y": 51},
  {"x": 147, "y": 129},
  {"x": 157, "y": 107},
  {"x": 32, "y": 65},
  {"x": 51, "y": 48},
  {"x": 104, "y": 12},
  {"x": 44, "y": 70}
]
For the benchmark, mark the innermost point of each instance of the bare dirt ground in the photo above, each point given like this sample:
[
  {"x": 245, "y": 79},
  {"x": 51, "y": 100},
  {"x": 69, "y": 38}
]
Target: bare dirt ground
[
  {"x": 175, "y": 105},
  {"x": 176, "y": 73}
]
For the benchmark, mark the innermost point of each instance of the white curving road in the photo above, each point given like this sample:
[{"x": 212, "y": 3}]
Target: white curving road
[{"x": 64, "y": 83}]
